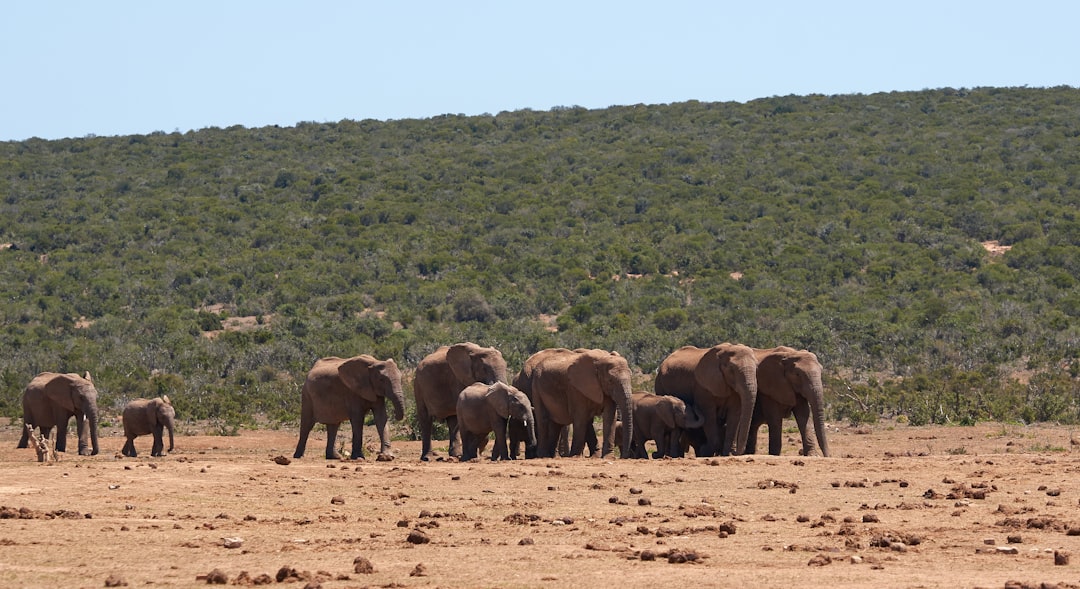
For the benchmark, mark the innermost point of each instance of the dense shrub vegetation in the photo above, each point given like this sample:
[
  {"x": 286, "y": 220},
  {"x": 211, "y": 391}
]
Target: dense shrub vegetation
[{"x": 848, "y": 225}]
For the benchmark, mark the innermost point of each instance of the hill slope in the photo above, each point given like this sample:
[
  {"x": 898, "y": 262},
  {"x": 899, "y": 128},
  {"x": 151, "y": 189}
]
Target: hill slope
[{"x": 849, "y": 225}]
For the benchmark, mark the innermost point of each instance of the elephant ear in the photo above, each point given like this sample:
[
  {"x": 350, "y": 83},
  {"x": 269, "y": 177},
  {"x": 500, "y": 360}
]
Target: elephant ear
[
  {"x": 89, "y": 378},
  {"x": 584, "y": 377},
  {"x": 499, "y": 397},
  {"x": 165, "y": 399},
  {"x": 459, "y": 357},
  {"x": 708, "y": 372},
  {"x": 356, "y": 374}
]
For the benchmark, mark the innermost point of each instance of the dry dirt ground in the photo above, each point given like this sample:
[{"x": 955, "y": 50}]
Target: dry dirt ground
[{"x": 898, "y": 506}]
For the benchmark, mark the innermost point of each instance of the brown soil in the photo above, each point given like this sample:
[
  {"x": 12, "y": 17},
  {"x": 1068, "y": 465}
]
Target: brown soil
[{"x": 899, "y": 506}]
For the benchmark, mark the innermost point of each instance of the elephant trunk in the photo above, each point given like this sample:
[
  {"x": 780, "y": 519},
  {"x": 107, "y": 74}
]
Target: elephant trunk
[
  {"x": 694, "y": 418},
  {"x": 397, "y": 397},
  {"x": 626, "y": 412},
  {"x": 170, "y": 424},
  {"x": 817, "y": 407},
  {"x": 747, "y": 390},
  {"x": 90, "y": 413}
]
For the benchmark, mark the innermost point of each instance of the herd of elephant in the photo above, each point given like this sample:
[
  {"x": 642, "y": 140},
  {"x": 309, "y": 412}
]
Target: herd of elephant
[{"x": 711, "y": 399}]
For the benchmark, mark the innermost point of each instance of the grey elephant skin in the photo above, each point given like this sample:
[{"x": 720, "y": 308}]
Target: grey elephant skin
[
  {"x": 483, "y": 409},
  {"x": 718, "y": 381},
  {"x": 51, "y": 399},
  {"x": 663, "y": 419},
  {"x": 149, "y": 416},
  {"x": 789, "y": 381},
  {"x": 571, "y": 387},
  {"x": 345, "y": 389},
  {"x": 441, "y": 376}
]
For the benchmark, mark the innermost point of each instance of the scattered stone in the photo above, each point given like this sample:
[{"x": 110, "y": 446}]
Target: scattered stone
[
  {"x": 802, "y": 519},
  {"x": 419, "y": 571},
  {"x": 1014, "y": 539},
  {"x": 820, "y": 560},
  {"x": 526, "y": 542},
  {"x": 337, "y": 500},
  {"x": 236, "y": 542},
  {"x": 1008, "y": 550},
  {"x": 989, "y": 541},
  {"x": 635, "y": 491},
  {"x": 384, "y": 457},
  {"x": 217, "y": 577},
  {"x": 644, "y": 501},
  {"x": 417, "y": 537},
  {"x": 1061, "y": 558},
  {"x": 870, "y": 518},
  {"x": 682, "y": 556},
  {"x": 283, "y": 460},
  {"x": 287, "y": 572},
  {"x": 727, "y": 527},
  {"x": 115, "y": 581},
  {"x": 363, "y": 566},
  {"x": 855, "y": 559},
  {"x": 648, "y": 555}
]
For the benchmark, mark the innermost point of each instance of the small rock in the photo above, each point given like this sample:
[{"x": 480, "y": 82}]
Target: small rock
[
  {"x": 989, "y": 541},
  {"x": 1014, "y": 539},
  {"x": 115, "y": 581},
  {"x": 417, "y": 537},
  {"x": 337, "y": 500},
  {"x": 635, "y": 491},
  {"x": 870, "y": 518},
  {"x": 648, "y": 555},
  {"x": 526, "y": 542},
  {"x": 232, "y": 542},
  {"x": 283, "y": 460},
  {"x": 419, "y": 571},
  {"x": 1008, "y": 550},
  {"x": 1061, "y": 558},
  {"x": 363, "y": 566},
  {"x": 820, "y": 560},
  {"x": 217, "y": 577},
  {"x": 384, "y": 457},
  {"x": 644, "y": 501},
  {"x": 855, "y": 559}
]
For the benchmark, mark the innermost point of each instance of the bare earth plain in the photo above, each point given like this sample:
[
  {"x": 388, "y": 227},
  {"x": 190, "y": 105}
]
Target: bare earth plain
[{"x": 898, "y": 506}]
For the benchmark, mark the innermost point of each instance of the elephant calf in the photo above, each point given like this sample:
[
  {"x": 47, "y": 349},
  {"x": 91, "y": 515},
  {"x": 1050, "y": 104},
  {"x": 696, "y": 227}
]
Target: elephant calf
[
  {"x": 663, "y": 419},
  {"x": 483, "y": 408},
  {"x": 148, "y": 416}
]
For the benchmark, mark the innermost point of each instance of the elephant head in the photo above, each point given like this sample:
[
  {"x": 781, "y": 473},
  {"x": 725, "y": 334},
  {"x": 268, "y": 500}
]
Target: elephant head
[
  {"x": 374, "y": 380},
  {"x": 677, "y": 414},
  {"x": 513, "y": 406},
  {"x": 166, "y": 417},
  {"x": 52, "y": 398},
  {"x": 604, "y": 378},
  {"x": 471, "y": 363},
  {"x": 729, "y": 371}
]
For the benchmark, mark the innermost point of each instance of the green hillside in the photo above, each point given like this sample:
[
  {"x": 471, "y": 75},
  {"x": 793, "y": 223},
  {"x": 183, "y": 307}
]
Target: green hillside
[{"x": 849, "y": 225}]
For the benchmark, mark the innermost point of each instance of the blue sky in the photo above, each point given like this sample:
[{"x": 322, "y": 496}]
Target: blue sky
[{"x": 75, "y": 68}]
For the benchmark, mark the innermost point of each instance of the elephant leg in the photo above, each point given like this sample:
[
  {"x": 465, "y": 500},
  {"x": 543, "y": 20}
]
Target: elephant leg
[
  {"x": 356, "y": 451},
  {"x": 331, "y": 441},
  {"x": 159, "y": 443},
  {"x": 776, "y": 434},
  {"x": 455, "y": 436},
  {"x": 468, "y": 446},
  {"x": 802, "y": 418},
  {"x": 608, "y": 421},
  {"x": 129, "y": 448},
  {"x": 61, "y": 422},
  {"x": 499, "y": 452},
  {"x": 382, "y": 424},
  {"x": 547, "y": 434},
  {"x": 24, "y": 441},
  {"x": 564, "y": 440},
  {"x": 425, "y": 422},
  {"x": 82, "y": 429},
  {"x": 307, "y": 421},
  {"x": 751, "y": 438}
]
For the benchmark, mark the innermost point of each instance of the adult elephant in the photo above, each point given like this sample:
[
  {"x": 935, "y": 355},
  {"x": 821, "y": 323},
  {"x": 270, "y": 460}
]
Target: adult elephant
[
  {"x": 345, "y": 389},
  {"x": 571, "y": 387},
  {"x": 719, "y": 382},
  {"x": 483, "y": 409},
  {"x": 789, "y": 381},
  {"x": 663, "y": 419},
  {"x": 440, "y": 378},
  {"x": 51, "y": 399},
  {"x": 149, "y": 416}
]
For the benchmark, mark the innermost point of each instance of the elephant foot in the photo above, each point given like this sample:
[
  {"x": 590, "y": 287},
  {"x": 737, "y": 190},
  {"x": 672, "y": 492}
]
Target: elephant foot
[{"x": 334, "y": 456}]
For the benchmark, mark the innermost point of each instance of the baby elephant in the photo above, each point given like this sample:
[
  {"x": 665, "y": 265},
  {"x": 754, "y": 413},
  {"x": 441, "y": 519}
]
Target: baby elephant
[
  {"x": 482, "y": 409},
  {"x": 148, "y": 416},
  {"x": 661, "y": 418}
]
